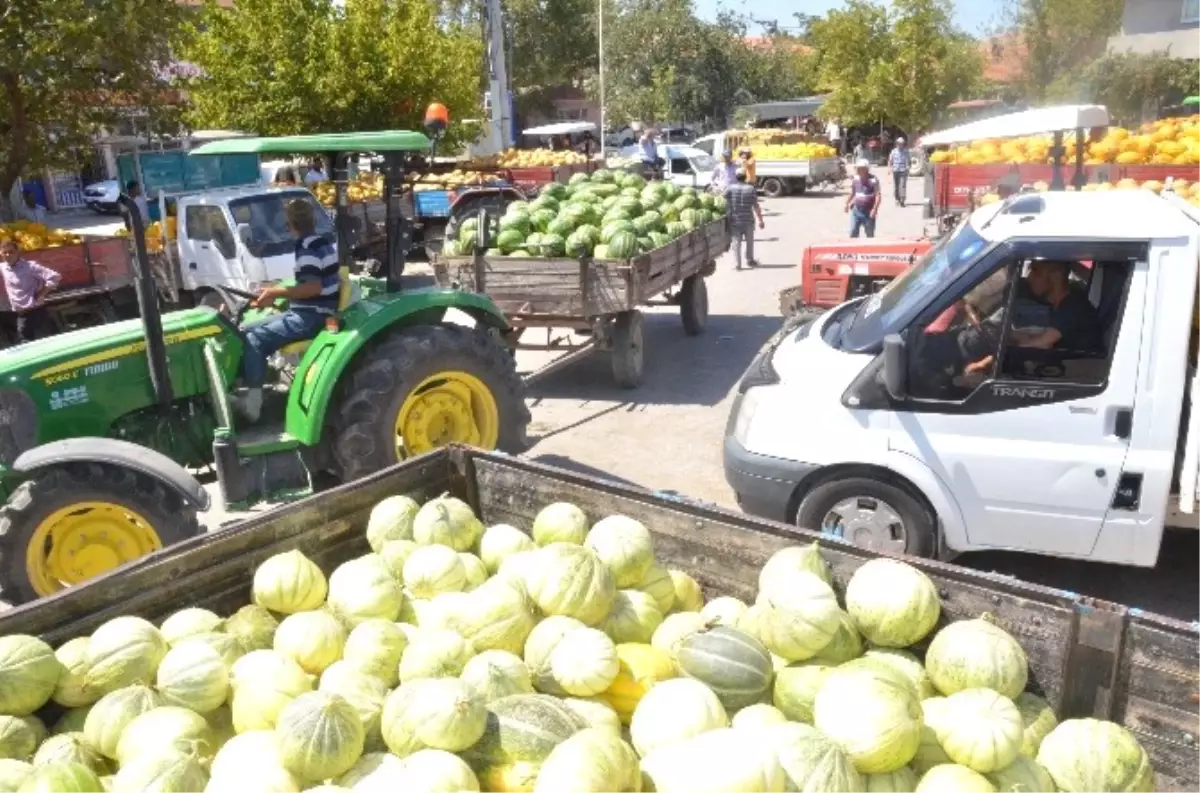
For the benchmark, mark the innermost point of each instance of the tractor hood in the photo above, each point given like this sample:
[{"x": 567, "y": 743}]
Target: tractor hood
[{"x": 81, "y": 353}]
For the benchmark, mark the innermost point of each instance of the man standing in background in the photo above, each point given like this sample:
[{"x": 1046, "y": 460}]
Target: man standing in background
[
  {"x": 743, "y": 210},
  {"x": 27, "y": 284},
  {"x": 899, "y": 161},
  {"x": 724, "y": 173},
  {"x": 749, "y": 165},
  {"x": 833, "y": 131}
]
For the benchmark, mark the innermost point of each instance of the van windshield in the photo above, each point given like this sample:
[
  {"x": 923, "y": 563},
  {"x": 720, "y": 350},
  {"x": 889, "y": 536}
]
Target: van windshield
[
  {"x": 266, "y": 216},
  {"x": 892, "y": 308}
]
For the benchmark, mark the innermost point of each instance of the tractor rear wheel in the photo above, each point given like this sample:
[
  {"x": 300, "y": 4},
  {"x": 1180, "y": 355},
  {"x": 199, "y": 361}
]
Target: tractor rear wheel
[
  {"x": 73, "y": 522},
  {"x": 422, "y": 387}
]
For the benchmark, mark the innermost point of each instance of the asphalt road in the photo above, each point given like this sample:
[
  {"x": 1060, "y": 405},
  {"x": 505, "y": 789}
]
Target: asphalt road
[{"x": 667, "y": 434}]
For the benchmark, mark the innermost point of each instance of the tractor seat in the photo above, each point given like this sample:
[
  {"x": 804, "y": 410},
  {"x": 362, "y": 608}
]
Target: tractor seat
[{"x": 345, "y": 297}]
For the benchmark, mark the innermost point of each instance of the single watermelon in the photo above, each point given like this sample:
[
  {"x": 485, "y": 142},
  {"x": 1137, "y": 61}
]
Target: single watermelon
[
  {"x": 719, "y": 205},
  {"x": 589, "y": 232},
  {"x": 690, "y": 218},
  {"x": 541, "y": 218},
  {"x": 614, "y": 215},
  {"x": 670, "y": 191},
  {"x": 603, "y": 176},
  {"x": 605, "y": 189},
  {"x": 578, "y": 178},
  {"x": 586, "y": 197},
  {"x": 561, "y": 226},
  {"x": 647, "y": 222},
  {"x": 518, "y": 222},
  {"x": 706, "y": 217},
  {"x": 685, "y": 202},
  {"x": 611, "y": 229},
  {"x": 555, "y": 190},
  {"x": 634, "y": 180},
  {"x": 601, "y": 252},
  {"x": 546, "y": 202},
  {"x": 509, "y": 240},
  {"x": 631, "y": 206},
  {"x": 623, "y": 245},
  {"x": 645, "y": 244},
  {"x": 517, "y": 208},
  {"x": 533, "y": 241},
  {"x": 689, "y": 191},
  {"x": 578, "y": 245},
  {"x": 494, "y": 252},
  {"x": 552, "y": 245},
  {"x": 520, "y": 253},
  {"x": 706, "y": 200},
  {"x": 575, "y": 214},
  {"x": 450, "y": 249},
  {"x": 669, "y": 213},
  {"x": 630, "y": 192},
  {"x": 660, "y": 238},
  {"x": 676, "y": 229}
]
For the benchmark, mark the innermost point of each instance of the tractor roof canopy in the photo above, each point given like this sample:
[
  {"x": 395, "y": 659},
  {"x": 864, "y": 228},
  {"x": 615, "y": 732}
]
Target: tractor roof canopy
[
  {"x": 382, "y": 141},
  {"x": 1064, "y": 118}
]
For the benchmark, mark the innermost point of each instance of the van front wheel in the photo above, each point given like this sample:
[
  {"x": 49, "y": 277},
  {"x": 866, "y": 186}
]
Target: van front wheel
[{"x": 871, "y": 514}]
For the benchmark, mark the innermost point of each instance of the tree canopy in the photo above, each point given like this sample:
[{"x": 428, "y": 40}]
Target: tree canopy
[
  {"x": 71, "y": 67},
  {"x": 901, "y": 63},
  {"x": 281, "y": 67}
]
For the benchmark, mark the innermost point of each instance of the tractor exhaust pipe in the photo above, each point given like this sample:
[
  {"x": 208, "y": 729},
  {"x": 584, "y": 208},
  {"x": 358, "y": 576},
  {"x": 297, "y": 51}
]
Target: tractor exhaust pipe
[{"x": 147, "y": 298}]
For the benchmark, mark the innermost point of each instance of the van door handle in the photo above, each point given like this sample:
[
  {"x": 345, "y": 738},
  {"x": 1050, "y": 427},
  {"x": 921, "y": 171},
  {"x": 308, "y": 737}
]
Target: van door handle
[{"x": 1123, "y": 423}]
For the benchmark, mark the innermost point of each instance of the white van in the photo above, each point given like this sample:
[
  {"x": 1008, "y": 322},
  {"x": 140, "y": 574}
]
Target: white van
[
  {"x": 684, "y": 166},
  {"x": 944, "y": 414}
]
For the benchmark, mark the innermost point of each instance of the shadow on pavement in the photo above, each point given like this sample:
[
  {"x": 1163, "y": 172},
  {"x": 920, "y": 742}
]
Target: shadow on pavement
[
  {"x": 679, "y": 369},
  {"x": 581, "y": 468},
  {"x": 1172, "y": 587}
]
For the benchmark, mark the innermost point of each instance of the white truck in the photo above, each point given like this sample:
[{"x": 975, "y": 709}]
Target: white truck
[
  {"x": 940, "y": 416},
  {"x": 775, "y": 177},
  {"x": 231, "y": 237}
]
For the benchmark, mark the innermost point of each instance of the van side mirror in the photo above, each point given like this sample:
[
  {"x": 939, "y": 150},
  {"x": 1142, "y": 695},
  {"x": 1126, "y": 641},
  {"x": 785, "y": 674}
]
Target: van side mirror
[{"x": 895, "y": 367}]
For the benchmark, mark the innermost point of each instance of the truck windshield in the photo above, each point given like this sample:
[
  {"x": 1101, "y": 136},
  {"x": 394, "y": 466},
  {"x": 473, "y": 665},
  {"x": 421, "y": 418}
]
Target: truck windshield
[
  {"x": 265, "y": 215},
  {"x": 892, "y": 308}
]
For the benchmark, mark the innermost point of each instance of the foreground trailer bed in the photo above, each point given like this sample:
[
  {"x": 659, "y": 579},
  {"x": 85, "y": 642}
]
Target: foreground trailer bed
[
  {"x": 598, "y": 297},
  {"x": 1087, "y": 657}
]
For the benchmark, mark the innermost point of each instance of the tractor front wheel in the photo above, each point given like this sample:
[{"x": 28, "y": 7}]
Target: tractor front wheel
[
  {"x": 423, "y": 387},
  {"x": 73, "y": 522}
]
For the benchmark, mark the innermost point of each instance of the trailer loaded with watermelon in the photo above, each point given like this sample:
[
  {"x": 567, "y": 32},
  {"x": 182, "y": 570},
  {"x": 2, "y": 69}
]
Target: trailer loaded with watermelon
[
  {"x": 468, "y": 621},
  {"x": 584, "y": 256}
]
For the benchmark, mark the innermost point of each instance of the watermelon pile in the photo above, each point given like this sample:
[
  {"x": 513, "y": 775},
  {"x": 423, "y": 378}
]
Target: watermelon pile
[{"x": 605, "y": 215}]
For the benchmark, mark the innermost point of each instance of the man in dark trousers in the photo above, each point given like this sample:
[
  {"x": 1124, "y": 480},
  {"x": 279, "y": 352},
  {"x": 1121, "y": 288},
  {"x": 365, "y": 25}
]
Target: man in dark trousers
[
  {"x": 863, "y": 201},
  {"x": 743, "y": 210},
  {"x": 27, "y": 284}
]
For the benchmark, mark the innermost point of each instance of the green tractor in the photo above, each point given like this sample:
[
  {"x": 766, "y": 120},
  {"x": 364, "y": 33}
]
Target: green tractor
[{"x": 99, "y": 427}]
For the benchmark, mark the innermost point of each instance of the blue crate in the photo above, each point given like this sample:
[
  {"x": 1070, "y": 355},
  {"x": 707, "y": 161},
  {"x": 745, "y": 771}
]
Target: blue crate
[{"x": 432, "y": 203}]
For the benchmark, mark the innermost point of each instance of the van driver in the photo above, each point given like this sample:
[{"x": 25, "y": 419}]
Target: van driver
[{"x": 1072, "y": 324}]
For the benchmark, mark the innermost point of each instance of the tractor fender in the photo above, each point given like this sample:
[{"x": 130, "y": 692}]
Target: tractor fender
[
  {"x": 328, "y": 357},
  {"x": 122, "y": 454}
]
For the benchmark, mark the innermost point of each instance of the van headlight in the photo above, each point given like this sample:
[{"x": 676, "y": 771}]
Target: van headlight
[{"x": 745, "y": 415}]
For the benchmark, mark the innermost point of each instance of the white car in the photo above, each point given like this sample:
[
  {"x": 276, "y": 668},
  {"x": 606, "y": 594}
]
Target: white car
[{"x": 102, "y": 197}]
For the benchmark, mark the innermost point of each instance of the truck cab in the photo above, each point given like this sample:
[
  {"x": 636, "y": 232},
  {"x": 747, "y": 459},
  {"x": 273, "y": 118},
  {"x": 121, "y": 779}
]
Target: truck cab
[
  {"x": 939, "y": 415},
  {"x": 238, "y": 237}
]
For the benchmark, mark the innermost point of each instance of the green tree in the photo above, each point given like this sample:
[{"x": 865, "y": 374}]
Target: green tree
[
  {"x": 553, "y": 43},
  {"x": 1060, "y": 39},
  {"x": 70, "y": 67},
  {"x": 280, "y": 67},
  {"x": 850, "y": 42},
  {"x": 1134, "y": 86}
]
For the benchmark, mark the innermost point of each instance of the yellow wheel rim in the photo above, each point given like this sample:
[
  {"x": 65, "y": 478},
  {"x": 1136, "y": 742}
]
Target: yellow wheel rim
[
  {"x": 449, "y": 407},
  {"x": 82, "y": 541}
]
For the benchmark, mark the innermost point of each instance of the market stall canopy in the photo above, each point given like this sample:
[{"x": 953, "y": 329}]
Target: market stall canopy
[
  {"x": 562, "y": 128},
  {"x": 386, "y": 140},
  {"x": 1027, "y": 122},
  {"x": 792, "y": 108}
]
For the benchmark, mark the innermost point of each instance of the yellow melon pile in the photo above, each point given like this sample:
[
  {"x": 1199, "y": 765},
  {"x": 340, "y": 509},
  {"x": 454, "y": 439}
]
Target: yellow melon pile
[
  {"x": 1183, "y": 188},
  {"x": 531, "y": 158},
  {"x": 363, "y": 188},
  {"x": 33, "y": 236},
  {"x": 1171, "y": 141},
  {"x": 793, "y": 151},
  {"x": 459, "y": 177},
  {"x": 154, "y": 234}
]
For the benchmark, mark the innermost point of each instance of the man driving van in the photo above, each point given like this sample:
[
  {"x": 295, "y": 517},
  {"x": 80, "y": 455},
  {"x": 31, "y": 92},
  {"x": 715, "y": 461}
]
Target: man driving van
[
  {"x": 311, "y": 299},
  {"x": 1072, "y": 323}
]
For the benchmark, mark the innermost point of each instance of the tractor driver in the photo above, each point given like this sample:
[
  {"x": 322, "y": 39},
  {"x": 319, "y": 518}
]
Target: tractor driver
[{"x": 312, "y": 299}]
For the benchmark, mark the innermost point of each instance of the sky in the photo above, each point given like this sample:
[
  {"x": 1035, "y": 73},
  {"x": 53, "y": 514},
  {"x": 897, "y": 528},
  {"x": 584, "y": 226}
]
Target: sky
[{"x": 973, "y": 16}]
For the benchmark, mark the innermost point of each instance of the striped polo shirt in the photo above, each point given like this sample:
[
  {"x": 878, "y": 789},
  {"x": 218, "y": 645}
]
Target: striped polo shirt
[{"x": 316, "y": 260}]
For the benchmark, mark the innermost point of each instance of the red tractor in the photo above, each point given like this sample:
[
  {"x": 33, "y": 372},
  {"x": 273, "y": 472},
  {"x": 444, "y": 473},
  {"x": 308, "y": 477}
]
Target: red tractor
[{"x": 832, "y": 273}]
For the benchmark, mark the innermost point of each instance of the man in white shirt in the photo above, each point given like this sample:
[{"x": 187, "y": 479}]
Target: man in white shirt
[
  {"x": 833, "y": 131},
  {"x": 316, "y": 174},
  {"x": 134, "y": 190}
]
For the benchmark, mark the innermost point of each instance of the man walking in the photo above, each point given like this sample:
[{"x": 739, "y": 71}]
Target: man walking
[
  {"x": 749, "y": 165},
  {"x": 743, "y": 210},
  {"x": 27, "y": 284},
  {"x": 724, "y": 174},
  {"x": 863, "y": 201},
  {"x": 133, "y": 189},
  {"x": 899, "y": 161}
]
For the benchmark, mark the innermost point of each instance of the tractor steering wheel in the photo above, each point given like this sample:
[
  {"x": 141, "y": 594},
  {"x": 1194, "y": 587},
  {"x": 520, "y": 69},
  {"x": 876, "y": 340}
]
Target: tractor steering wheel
[{"x": 237, "y": 301}]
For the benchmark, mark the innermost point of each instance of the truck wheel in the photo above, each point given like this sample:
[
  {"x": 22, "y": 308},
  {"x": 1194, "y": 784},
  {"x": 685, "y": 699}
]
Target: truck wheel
[
  {"x": 422, "y": 387},
  {"x": 693, "y": 305},
  {"x": 799, "y": 186},
  {"x": 871, "y": 514},
  {"x": 77, "y": 521},
  {"x": 774, "y": 187},
  {"x": 627, "y": 346}
]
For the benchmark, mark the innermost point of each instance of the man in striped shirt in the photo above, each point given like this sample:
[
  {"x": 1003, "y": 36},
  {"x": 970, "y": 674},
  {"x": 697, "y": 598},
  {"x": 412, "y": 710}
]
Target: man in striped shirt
[
  {"x": 899, "y": 161},
  {"x": 313, "y": 298}
]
